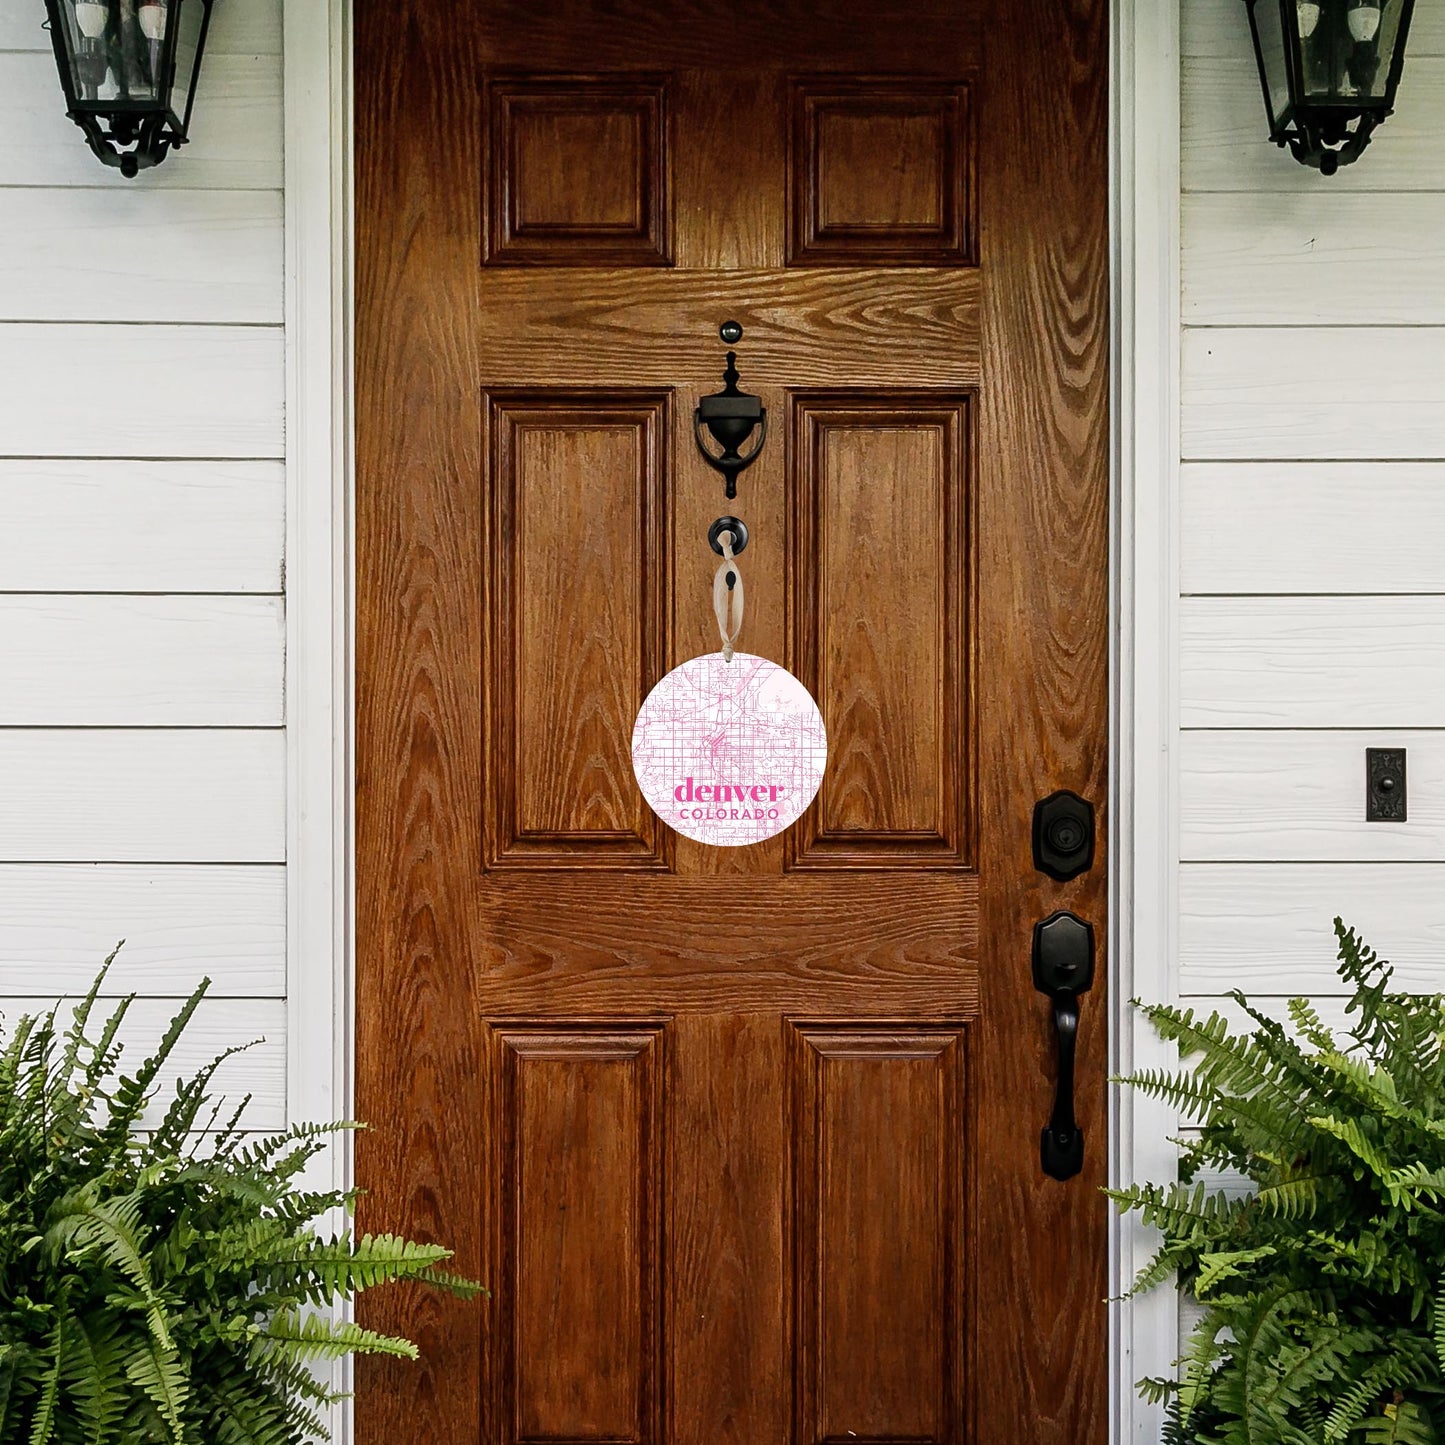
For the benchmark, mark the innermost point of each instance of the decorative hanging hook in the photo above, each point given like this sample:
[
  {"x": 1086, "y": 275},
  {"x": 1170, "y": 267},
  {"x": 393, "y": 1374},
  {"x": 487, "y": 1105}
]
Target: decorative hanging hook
[
  {"x": 731, "y": 416},
  {"x": 727, "y": 592}
]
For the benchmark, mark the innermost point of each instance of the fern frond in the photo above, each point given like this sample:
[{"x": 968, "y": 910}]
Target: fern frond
[
  {"x": 158, "y": 1372},
  {"x": 1357, "y": 1401},
  {"x": 114, "y": 1228},
  {"x": 1183, "y": 1091},
  {"x": 1292, "y": 1199},
  {"x": 1310, "y": 1025},
  {"x": 71, "y": 1104},
  {"x": 1402, "y": 1423},
  {"x": 180, "y": 1118},
  {"x": 42, "y": 1426},
  {"x": 132, "y": 1094},
  {"x": 1352, "y": 1136},
  {"x": 105, "y": 1054},
  {"x": 348, "y": 1265},
  {"x": 1177, "y": 1208},
  {"x": 94, "y": 1373},
  {"x": 1227, "y": 1264},
  {"x": 244, "y": 1415},
  {"x": 313, "y": 1337}
]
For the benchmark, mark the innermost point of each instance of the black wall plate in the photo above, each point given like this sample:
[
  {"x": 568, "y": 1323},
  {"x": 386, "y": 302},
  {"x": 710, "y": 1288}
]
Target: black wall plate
[{"x": 1385, "y": 800}]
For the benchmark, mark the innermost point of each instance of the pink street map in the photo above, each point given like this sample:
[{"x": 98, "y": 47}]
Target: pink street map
[{"x": 729, "y": 752}]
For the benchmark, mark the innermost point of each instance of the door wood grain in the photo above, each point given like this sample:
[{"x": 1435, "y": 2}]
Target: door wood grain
[{"x": 745, "y": 1142}]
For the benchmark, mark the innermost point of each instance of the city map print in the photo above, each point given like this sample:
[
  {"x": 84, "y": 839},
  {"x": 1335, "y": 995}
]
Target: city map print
[{"x": 729, "y": 752}]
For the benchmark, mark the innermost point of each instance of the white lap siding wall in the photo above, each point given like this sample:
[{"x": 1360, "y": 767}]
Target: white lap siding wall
[
  {"x": 1312, "y": 526},
  {"x": 142, "y": 523},
  {"x": 1311, "y": 530}
]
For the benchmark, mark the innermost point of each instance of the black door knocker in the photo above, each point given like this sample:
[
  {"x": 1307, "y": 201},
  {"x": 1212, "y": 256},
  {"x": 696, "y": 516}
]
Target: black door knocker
[{"x": 731, "y": 416}]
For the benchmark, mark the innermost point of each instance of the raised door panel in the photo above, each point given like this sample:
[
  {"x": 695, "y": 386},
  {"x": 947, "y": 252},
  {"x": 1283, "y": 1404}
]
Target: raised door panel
[
  {"x": 578, "y": 545},
  {"x": 879, "y": 577},
  {"x": 576, "y": 1339},
  {"x": 880, "y": 173},
  {"x": 879, "y": 1233},
  {"x": 578, "y": 172}
]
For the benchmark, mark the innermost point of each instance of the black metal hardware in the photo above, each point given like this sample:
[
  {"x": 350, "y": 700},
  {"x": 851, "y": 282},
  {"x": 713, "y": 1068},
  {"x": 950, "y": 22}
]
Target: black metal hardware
[
  {"x": 731, "y": 416},
  {"x": 1063, "y": 964},
  {"x": 1329, "y": 70},
  {"x": 736, "y": 526},
  {"x": 129, "y": 73},
  {"x": 1385, "y": 799},
  {"x": 1063, "y": 835}
]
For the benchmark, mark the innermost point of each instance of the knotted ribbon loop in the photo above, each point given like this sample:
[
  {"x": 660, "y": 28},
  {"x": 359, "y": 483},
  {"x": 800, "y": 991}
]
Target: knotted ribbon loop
[{"x": 727, "y": 601}]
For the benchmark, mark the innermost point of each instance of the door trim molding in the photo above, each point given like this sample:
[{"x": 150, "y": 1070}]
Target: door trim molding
[
  {"x": 1144, "y": 849},
  {"x": 316, "y": 95},
  {"x": 1144, "y": 264}
]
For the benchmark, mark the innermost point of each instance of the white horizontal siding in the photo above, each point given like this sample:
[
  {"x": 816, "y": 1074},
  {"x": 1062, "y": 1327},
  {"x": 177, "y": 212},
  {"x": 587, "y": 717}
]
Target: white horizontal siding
[
  {"x": 188, "y": 526},
  {"x": 1275, "y": 260},
  {"x": 180, "y": 924},
  {"x": 141, "y": 391},
  {"x": 1225, "y": 143},
  {"x": 1330, "y": 527},
  {"x": 140, "y": 795},
  {"x": 1312, "y": 508},
  {"x": 235, "y": 133},
  {"x": 1310, "y": 662},
  {"x": 142, "y": 492},
  {"x": 208, "y": 256},
  {"x": 1282, "y": 796},
  {"x": 219, "y": 1024},
  {"x": 1313, "y": 392},
  {"x": 142, "y": 661},
  {"x": 1268, "y": 930}
]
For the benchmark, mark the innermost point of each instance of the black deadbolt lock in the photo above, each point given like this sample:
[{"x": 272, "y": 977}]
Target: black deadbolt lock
[{"x": 1063, "y": 835}]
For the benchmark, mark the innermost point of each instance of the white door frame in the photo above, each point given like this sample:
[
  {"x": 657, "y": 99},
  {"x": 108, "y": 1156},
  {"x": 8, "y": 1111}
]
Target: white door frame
[
  {"x": 1144, "y": 845},
  {"x": 1144, "y": 223}
]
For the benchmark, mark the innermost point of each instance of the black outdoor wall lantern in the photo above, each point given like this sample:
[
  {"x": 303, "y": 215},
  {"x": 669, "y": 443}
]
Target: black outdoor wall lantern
[
  {"x": 1330, "y": 69},
  {"x": 129, "y": 68}
]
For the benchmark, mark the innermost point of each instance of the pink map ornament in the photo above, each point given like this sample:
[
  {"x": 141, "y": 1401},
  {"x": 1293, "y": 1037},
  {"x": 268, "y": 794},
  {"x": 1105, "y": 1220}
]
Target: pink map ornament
[{"x": 729, "y": 752}]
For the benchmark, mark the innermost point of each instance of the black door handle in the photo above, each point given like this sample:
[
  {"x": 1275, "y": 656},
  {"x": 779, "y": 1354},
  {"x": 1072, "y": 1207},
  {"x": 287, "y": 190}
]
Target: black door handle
[{"x": 1063, "y": 969}]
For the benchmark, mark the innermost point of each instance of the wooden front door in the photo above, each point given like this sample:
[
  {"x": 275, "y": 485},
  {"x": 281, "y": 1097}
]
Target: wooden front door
[{"x": 744, "y": 1142}]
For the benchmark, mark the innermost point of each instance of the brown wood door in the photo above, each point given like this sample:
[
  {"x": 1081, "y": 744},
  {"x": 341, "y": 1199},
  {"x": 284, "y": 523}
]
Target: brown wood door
[{"x": 745, "y": 1142}]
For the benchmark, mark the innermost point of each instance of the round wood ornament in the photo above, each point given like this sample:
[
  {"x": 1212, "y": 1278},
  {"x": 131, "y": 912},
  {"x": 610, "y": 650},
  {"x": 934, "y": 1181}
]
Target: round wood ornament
[{"x": 729, "y": 751}]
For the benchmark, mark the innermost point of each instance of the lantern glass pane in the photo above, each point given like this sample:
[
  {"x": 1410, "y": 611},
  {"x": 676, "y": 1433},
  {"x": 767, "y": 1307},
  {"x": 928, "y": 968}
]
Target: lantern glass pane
[
  {"x": 1268, "y": 17},
  {"x": 90, "y": 37},
  {"x": 192, "y": 22},
  {"x": 117, "y": 51},
  {"x": 1392, "y": 12},
  {"x": 1345, "y": 60}
]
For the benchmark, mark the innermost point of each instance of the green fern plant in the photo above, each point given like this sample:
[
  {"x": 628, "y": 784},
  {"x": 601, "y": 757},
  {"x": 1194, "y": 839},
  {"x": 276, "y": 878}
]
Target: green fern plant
[
  {"x": 1322, "y": 1284},
  {"x": 164, "y": 1282}
]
